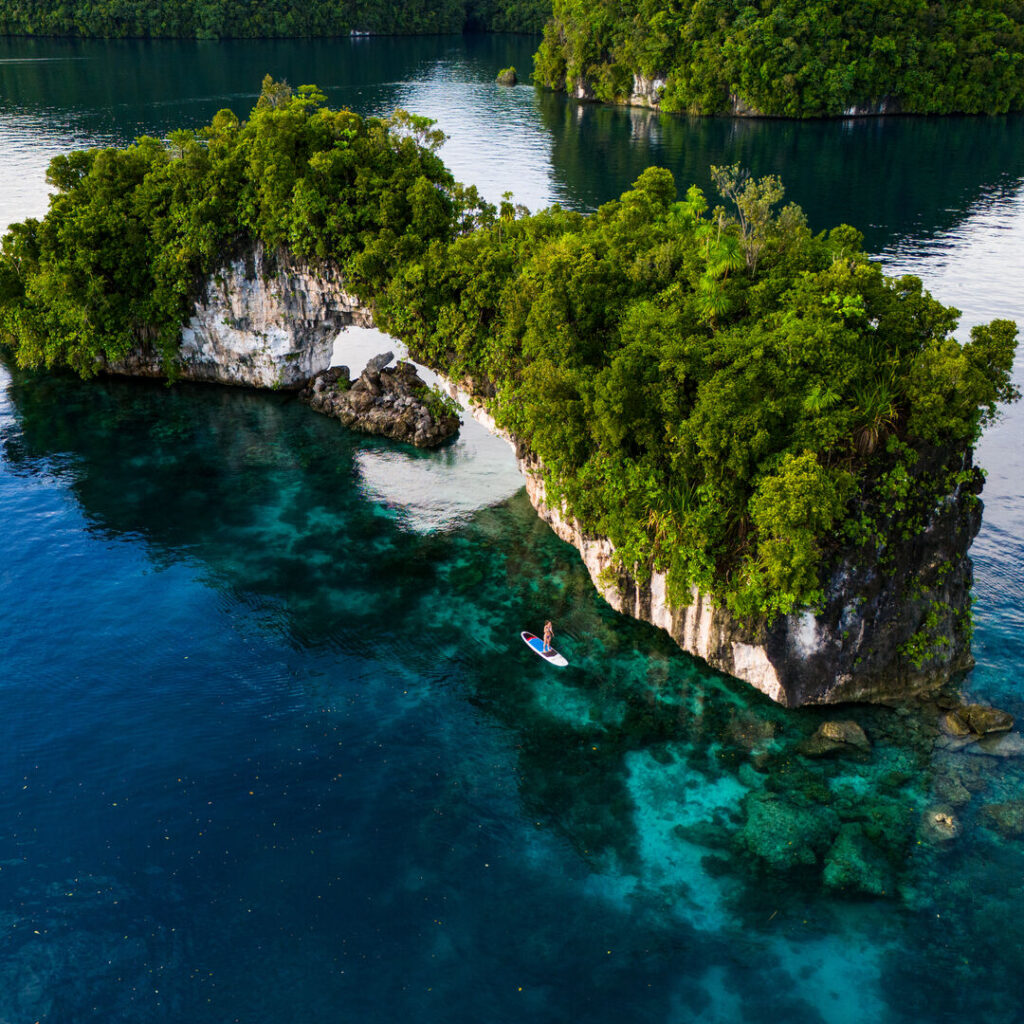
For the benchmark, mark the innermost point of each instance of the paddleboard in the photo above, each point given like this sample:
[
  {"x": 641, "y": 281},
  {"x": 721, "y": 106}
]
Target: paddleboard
[{"x": 536, "y": 645}]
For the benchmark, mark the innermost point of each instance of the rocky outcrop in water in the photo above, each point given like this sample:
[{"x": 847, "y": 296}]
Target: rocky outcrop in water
[
  {"x": 831, "y": 738},
  {"x": 855, "y": 864},
  {"x": 393, "y": 403},
  {"x": 979, "y": 729},
  {"x": 266, "y": 320},
  {"x": 976, "y": 719}
]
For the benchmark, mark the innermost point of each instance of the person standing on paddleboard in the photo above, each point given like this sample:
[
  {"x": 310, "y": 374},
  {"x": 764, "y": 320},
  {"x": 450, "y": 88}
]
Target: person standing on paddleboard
[{"x": 549, "y": 635}]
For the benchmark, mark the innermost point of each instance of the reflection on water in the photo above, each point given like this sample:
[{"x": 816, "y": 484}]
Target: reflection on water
[
  {"x": 895, "y": 178},
  {"x": 439, "y": 490},
  {"x": 57, "y": 95}
]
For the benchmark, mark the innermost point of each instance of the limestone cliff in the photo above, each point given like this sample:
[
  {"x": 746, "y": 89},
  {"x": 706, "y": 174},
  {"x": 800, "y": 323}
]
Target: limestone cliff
[
  {"x": 891, "y": 627},
  {"x": 265, "y": 320},
  {"x": 647, "y": 91},
  {"x": 896, "y": 621}
]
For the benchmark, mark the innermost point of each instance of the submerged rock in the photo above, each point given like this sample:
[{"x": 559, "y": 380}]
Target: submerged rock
[
  {"x": 1001, "y": 744},
  {"x": 393, "y": 403},
  {"x": 854, "y": 863},
  {"x": 1007, "y": 818},
  {"x": 954, "y": 743},
  {"x": 953, "y": 725},
  {"x": 834, "y": 738},
  {"x": 785, "y": 835},
  {"x": 979, "y": 729},
  {"x": 982, "y": 720},
  {"x": 952, "y": 791},
  {"x": 940, "y": 823}
]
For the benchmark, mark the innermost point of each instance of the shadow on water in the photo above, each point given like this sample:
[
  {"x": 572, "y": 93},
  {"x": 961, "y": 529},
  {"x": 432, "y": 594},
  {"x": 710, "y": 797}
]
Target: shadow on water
[{"x": 655, "y": 808}]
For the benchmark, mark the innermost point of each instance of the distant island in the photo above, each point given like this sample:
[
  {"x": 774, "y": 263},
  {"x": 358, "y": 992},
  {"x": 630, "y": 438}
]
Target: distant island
[
  {"x": 757, "y": 440},
  {"x": 793, "y": 58}
]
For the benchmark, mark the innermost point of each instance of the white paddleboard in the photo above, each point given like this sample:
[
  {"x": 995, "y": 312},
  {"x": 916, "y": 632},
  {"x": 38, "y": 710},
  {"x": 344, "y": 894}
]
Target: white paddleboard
[{"x": 552, "y": 657}]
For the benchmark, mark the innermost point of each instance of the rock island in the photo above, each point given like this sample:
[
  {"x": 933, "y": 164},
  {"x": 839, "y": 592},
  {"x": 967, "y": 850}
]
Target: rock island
[{"x": 757, "y": 441}]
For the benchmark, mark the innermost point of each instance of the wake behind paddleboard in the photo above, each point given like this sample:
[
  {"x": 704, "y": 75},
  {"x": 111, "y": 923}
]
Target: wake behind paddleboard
[{"x": 536, "y": 645}]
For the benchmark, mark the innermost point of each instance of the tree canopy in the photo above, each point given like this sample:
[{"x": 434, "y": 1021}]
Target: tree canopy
[
  {"x": 131, "y": 231},
  {"x": 792, "y": 58},
  {"x": 724, "y": 394}
]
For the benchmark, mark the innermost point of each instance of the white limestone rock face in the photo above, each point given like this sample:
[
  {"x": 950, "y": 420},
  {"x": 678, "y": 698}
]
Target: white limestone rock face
[
  {"x": 878, "y": 108},
  {"x": 266, "y": 320},
  {"x": 647, "y": 92},
  {"x": 582, "y": 90},
  {"x": 739, "y": 107}
]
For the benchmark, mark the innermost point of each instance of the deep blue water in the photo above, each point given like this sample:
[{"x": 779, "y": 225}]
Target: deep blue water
[{"x": 271, "y": 746}]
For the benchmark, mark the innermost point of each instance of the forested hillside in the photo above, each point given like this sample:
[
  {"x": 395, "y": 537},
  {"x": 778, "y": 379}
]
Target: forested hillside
[
  {"x": 723, "y": 393},
  {"x": 253, "y": 19},
  {"x": 793, "y": 58}
]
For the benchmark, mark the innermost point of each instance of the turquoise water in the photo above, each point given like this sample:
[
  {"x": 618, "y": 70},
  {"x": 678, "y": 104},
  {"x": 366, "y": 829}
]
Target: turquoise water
[{"x": 273, "y": 750}]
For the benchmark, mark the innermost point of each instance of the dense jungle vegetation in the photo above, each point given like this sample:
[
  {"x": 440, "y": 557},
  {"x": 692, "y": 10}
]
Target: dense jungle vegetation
[
  {"x": 723, "y": 393},
  {"x": 793, "y": 58},
  {"x": 258, "y": 19}
]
